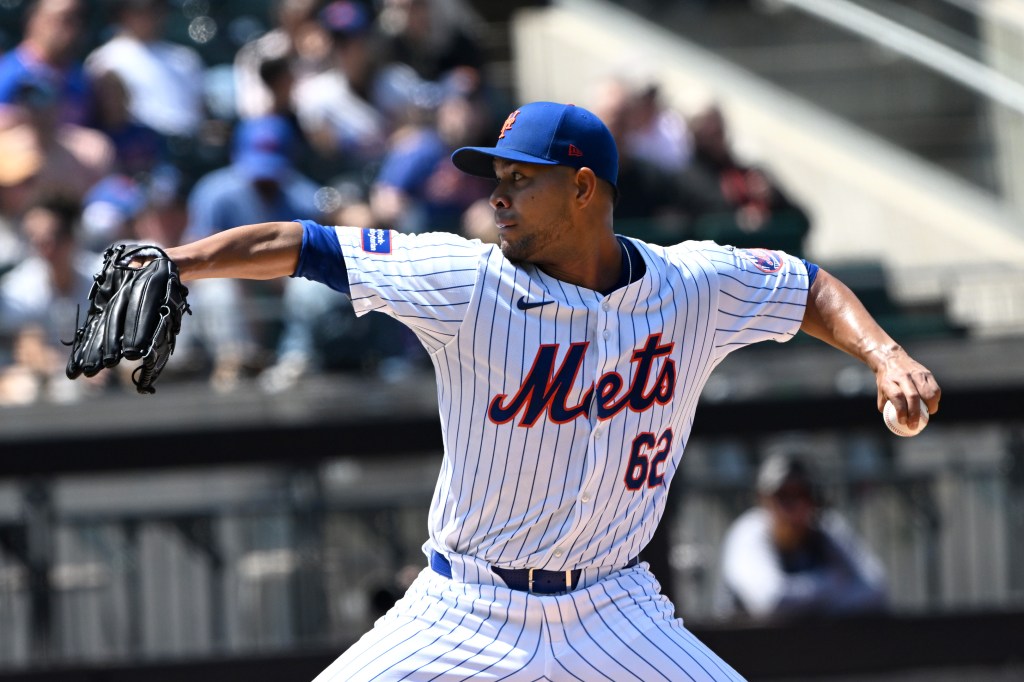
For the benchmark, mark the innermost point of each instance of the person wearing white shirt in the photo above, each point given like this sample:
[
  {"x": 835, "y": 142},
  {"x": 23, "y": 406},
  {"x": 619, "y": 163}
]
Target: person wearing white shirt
[
  {"x": 164, "y": 79},
  {"x": 337, "y": 108},
  {"x": 789, "y": 557}
]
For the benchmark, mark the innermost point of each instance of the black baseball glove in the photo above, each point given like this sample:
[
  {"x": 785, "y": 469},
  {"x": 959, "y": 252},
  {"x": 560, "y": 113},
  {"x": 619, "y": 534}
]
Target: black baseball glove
[{"x": 134, "y": 313}]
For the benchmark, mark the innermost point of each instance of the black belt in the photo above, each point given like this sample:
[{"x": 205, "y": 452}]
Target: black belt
[{"x": 535, "y": 580}]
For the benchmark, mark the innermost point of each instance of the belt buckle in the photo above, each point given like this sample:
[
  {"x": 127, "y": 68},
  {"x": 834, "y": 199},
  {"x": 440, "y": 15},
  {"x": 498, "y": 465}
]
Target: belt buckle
[{"x": 529, "y": 580}]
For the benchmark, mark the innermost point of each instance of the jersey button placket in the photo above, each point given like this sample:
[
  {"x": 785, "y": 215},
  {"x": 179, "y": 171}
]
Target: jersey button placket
[{"x": 606, "y": 350}]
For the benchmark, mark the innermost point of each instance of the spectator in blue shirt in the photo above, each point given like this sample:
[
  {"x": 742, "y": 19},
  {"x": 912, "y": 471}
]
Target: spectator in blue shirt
[
  {"x": 260, "y": 185},
  {"x": 139, "y": 149},
  {"x": 47, "y": 54},
  {"x": 235, "y": 319},
  {"x": 418, "y": 188}
]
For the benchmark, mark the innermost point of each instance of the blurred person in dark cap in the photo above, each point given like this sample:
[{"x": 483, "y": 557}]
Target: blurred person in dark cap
[
  {"x": 792, "y": 557},
  {"x": 164, "y": 79},
  {"x": 260, "y": 185},
  {"x": 109, "y": 210},
  {"x": 48, "y": 54}
]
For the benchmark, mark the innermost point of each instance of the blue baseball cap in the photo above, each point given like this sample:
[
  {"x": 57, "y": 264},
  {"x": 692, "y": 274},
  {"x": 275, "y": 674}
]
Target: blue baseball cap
[
  {"x": 263, "y": 147},
  {"x": 344, "y": 17},
  {"x": 109, "y": 205},
  {"x": 551, "y": 134}
]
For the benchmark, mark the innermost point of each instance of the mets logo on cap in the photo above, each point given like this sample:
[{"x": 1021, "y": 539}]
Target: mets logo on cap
[
  {"x": 507, "y": 125},
  {"x": 763, "y": 259}
]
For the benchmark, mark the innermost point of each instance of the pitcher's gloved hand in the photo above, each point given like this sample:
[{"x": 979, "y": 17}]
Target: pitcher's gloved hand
[{"x": 134, "y": 313}]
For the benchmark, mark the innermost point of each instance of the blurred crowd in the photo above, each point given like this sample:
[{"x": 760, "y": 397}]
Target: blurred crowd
[{"x": 113, "y": 129}]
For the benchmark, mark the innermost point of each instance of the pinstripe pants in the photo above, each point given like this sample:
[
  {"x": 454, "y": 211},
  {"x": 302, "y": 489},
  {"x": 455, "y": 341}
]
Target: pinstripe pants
[{"x": 618, "y": 629}]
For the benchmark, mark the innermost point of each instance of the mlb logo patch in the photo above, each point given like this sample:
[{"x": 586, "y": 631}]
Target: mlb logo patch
[{"x": 376, "y": 241}]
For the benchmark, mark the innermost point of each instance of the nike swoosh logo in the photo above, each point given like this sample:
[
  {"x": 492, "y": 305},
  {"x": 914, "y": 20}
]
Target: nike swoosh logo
[{"x": 523, "y": 304}]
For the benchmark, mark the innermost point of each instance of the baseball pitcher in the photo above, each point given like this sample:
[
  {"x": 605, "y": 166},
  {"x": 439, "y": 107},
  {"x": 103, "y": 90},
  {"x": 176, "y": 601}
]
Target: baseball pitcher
[{"x": 569, "y": 362}]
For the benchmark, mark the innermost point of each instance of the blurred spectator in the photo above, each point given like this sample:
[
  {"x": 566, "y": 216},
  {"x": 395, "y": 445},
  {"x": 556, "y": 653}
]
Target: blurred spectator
[
  {"x": 418, "y": 188},
  {"x": 109, "y": 210},
  {"x": 40, "y": 156},
  {"x": 735, "y": 203},
  {"x": 654, "y": 131},
  {"x": 658, "y": 133},
  {"x": 430, "y": 36},
  {"x": 260, "y": 185},
  {"x": 38, "y": 303},
  {"x": 47, "y": 56},
  {"x": 321, "y": 332},
  {"x": 18, "y": 165},
  {"x": 432, "y": 39},
  {"x": 139, "y": 150},
  {"x": 298, "y": 39},
  {"x": 20, "y": 162},
  {"x": 164, "y": 79},
  {"x": 279, "y": 77},
  {"x": 336, "y": 108},
  {"x": 164, "y": 217},
  {"x": 650, "y": 198},
  {"x": 790, "y": 557},
  {"x": 12, "y": 250}
]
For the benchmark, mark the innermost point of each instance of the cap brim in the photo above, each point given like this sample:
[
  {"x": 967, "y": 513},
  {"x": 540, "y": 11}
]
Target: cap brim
[{"x": 480, "y": 160}]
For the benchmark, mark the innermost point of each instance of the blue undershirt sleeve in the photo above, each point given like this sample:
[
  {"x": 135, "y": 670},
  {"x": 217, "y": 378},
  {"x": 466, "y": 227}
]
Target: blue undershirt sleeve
[
  {"x": 812, "y": 272},
  {"x": 320, "y": 259}
]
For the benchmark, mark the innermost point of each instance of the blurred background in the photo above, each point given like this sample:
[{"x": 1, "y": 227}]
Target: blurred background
[{"x": 254, "y": 517}]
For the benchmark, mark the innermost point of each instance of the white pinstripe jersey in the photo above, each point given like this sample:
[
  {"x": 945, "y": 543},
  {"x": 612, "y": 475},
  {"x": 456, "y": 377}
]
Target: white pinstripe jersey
[{"x": 564, "y": 422}]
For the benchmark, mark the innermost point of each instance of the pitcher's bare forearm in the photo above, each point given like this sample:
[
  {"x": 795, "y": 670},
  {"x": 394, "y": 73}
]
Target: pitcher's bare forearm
[
  {"x": 835, "y": 315},
  {"x": 262, "y": 251}
]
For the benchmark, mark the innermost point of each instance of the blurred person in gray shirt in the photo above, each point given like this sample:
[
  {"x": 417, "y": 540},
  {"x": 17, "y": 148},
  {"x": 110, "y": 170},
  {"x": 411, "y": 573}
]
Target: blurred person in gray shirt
[{"x": 791, "y": 557}]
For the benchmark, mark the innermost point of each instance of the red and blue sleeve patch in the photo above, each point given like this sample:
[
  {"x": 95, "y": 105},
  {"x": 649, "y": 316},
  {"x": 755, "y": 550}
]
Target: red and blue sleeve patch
[
  {"x": 376, "y": 240},
  {"x": 763, "y": 259}
]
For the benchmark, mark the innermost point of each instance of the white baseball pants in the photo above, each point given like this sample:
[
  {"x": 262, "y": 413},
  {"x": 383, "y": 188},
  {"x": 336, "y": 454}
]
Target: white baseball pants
[{"x": 619, "y": 629}]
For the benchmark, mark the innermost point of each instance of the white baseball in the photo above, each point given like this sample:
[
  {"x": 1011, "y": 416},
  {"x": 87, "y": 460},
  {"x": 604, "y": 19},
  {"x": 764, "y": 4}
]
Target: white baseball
[{"x": 889, "y": 415}]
